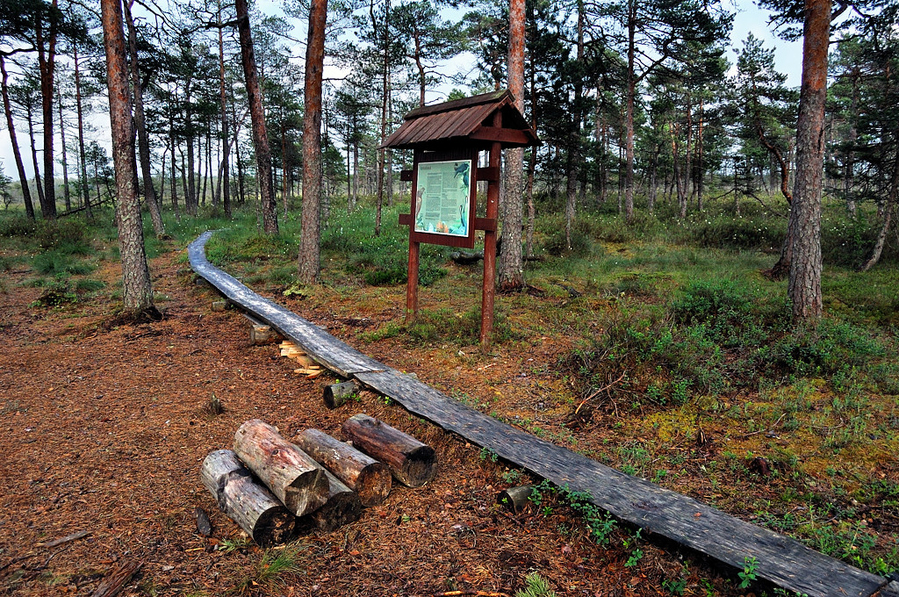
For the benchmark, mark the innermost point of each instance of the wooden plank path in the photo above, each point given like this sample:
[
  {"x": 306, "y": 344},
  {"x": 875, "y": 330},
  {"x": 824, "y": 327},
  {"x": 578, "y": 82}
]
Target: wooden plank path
[
  {"x": 320, "y": 345},
  {"x": 779, "y": 559}
]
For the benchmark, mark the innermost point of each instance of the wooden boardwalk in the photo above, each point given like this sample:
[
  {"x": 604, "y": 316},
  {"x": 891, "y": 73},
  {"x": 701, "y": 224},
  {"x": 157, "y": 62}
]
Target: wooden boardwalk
[{"x": 780, "y": 560}]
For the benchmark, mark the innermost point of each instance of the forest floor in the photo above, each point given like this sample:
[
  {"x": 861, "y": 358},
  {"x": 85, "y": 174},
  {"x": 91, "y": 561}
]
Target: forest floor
[{"x": 105, "y": 425}]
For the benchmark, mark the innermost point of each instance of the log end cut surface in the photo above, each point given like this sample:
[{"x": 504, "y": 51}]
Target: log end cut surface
[{"x": 374, "y": 483}]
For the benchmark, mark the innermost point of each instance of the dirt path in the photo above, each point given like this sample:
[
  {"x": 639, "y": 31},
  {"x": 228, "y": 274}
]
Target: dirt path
[{"x": 103, "y": 431}]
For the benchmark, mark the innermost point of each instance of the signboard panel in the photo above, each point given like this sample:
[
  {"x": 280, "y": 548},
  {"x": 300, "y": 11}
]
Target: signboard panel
[
  {"x": 442, "y": 197},
  {"x": 443, "y": 202}
]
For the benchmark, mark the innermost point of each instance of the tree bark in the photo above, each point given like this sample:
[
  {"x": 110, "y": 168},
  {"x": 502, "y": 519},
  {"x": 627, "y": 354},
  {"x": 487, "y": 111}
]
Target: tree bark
[
  {"x": 510, "y": 276},
  {"x": 17, "y": 155},
  {"x": 295, "y": 478},
  {"x": 411, "y": 462},
  {"x": 574, "y": 140},
  {"x": 224, "y": 170},
  {"x": 629, "y": 112},
  {"x": 38, "y": 184},
  {"x": 46, "y": 59},
  {"x": 310, "y": 236},
  {"x": 264, "y": 178},
  {"x": 385, "y": 89},
  {"x": 143, "y": 140},
  {"x": 62, "y": 147},
  {"x": 804, "y": 289},
  {"x": 137, "y": 291},
  {"x": 244, "y": 500},
  {"x": 361, "y": 473}
]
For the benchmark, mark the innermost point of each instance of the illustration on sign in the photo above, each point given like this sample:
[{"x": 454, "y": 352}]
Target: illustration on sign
[{"x": 443, "y": 197}]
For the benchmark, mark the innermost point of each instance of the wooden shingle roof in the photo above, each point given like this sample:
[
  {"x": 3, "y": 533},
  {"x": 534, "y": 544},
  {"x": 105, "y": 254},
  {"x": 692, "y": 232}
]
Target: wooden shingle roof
[{"x": 468, "y": 121}]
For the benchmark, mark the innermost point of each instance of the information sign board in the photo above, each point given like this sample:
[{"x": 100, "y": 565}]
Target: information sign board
[
  {"x": 443, "y": 193},
  {"x": 444, "y": 201}
]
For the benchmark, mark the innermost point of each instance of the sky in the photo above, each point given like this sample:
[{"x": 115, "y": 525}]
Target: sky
[{"x": 749, "y": 18}]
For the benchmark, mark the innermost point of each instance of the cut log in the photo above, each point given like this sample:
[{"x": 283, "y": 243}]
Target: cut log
[
  {"x": 245, "y": 500},
  {"x": 295, "y": 478},
  {"x": 412, "y": 463},
  {"x": 515, "y": 498},
  {"x": 361, "y": 473},
  {"x": 261, "y": 335},
  {"x": 343, "y": 507},
  {"x": 219, "y": 305},
  {"x": 463, "y": 258},
  {"x": 338, "y": 393}
]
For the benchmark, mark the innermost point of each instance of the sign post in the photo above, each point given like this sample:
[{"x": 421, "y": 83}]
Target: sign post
[{"x": 447, "y": 139}]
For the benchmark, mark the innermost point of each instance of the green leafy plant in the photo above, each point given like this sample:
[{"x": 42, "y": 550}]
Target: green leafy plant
[{"x": 748, "y": 574}]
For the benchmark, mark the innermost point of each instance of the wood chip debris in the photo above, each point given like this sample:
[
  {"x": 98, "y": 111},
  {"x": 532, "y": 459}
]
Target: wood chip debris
[{"x": 308, "y": 366}]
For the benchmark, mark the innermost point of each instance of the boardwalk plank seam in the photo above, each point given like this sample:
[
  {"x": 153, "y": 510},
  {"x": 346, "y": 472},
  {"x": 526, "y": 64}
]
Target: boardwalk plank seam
[{"x": 779, "y": 559}]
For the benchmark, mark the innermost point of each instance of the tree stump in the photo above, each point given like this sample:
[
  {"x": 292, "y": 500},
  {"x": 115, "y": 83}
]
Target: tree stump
[
  {"x": 343, "y": 507},
  {"x": 515, "y": 499},
  {"x": 295, "y": 478},
  {"x": 361, "y": 473},
  {"x": 412, "y": 463},
  {"x": 336, "y": 394},
  {"x": 246, "y": 501}
]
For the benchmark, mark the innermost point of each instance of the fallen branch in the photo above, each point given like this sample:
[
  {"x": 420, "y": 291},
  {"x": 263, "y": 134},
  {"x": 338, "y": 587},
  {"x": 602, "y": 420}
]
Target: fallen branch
[
  {"x": 66, "y": 539},
  {"x": 598, "y": 392}
]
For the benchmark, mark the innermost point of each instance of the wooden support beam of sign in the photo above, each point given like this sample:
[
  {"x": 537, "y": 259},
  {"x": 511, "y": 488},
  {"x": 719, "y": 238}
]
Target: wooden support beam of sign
[
  {"x": 488, "y": 174},
  {"x": 406, "y": 175},
  {"x": 500, "y": 135},
  {"x": 488, "y": 224},
  {"x": 479, "y": 223}
]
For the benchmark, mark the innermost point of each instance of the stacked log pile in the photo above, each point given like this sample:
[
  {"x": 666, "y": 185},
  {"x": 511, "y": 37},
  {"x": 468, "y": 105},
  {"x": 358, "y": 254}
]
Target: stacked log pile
[{"x": 275, "y": 489}]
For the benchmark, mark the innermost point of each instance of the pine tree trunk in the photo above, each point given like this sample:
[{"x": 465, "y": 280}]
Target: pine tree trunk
[
  {"x": 62, "y": 146},
  {"x": 174, "y": 173},
  {"x": 385, "y": 88},
  {"x": 137, "y": 292},
  {"x": 46, "y": 63},
  {"x": 264, "y": 178},
  {"x": 143, "y": 140},
  {"x": 312, "y": 166},
  {"x": 224, "y": 176},
  {"x": 81, "y": 153},
  {"x": 629, "y": 113},
  {"x": 37, "y": 171},
  {"x": 889, "y": 210},
  {"x": 510, "y": 276},
  {"x": 17, "y": 155},
  {"x": 805, "y": 265}
]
